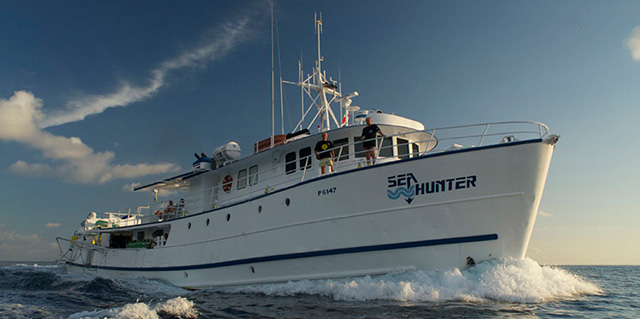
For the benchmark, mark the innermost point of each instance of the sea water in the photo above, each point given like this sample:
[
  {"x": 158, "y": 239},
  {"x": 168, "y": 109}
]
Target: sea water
[{"x": 492, "y": 289}]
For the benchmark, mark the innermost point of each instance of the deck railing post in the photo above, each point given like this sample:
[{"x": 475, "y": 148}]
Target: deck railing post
[
  {"x": 540, "y": 130},
  {"x": 486, "y": 128},
  {"x": 426, "y": 149},
  {"x": 304, "y": 171}
]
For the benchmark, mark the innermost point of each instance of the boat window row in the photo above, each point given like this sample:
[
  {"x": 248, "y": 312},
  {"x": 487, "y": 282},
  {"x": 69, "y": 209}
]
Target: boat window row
[
  {"x": 291, "y": 160},
  {"x": 305, "y": 156},
  {"x": 403, "y": 146},
  {"x": 251, "y": 178}
]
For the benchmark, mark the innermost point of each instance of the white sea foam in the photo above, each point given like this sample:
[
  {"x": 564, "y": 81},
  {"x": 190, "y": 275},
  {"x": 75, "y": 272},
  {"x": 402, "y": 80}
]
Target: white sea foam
[
  {"x": 36, "y": 265},
  {"x": 178, "y": 307},
  {"x": 521, "y": 281}
]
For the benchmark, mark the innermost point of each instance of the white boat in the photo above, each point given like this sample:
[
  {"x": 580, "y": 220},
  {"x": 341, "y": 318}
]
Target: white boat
[{"x": 432, "y": 199}]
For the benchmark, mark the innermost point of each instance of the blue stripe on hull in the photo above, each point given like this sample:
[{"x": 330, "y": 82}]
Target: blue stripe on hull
[{"x": 330, "y": 252}]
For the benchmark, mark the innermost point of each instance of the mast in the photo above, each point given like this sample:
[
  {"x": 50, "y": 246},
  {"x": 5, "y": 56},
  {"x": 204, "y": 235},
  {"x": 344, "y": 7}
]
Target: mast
[
  {"x": 326, "y": 92},
  {"x": 300, "y": 77},
  {"x": 273, "y": 103},
  {"x": 325, "y": 124},
  {"x": 280, "y": 78}
]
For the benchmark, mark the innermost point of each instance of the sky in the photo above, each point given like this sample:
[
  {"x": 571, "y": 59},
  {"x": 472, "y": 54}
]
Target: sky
[{"x": 98, "y": 96}]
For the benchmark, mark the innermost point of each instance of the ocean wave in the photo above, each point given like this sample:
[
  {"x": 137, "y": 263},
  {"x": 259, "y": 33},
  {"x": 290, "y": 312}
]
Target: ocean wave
[
  {"x": 40, "y": 292},
  {"x": 177, "y": 307},
  {"x": 16, "y": 310},
  {"x": 510, "y": 280}
]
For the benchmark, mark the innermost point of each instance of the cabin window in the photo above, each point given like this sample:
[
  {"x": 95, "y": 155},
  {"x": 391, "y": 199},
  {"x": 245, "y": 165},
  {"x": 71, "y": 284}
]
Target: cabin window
[
  {"x": 140, "y": 236},
  {"x": 357, "y": 145},
  {"x": 416, "y": 150},
  {"x": 253, "y": 175},
  {"x": 342, "y": 149},
  {"x": 290, "y": 162},
  {"x": 386, "y": 149},
  {"x": 403, "y": 148},
  {"x": 305, "y": 158},
  {"x": 242, "y": 179}
]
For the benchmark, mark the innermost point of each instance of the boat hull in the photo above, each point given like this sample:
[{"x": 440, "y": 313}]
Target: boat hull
[{"x": 423, "y": 213}]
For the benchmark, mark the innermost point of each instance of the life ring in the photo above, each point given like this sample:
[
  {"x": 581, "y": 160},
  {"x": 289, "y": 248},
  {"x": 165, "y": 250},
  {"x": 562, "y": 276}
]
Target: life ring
[{"x": 227, "y": 183}]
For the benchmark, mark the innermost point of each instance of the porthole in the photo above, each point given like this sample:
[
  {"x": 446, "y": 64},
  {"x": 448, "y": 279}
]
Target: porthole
[
  {"x": 186, "y": 275},
  {"x": 228, "y": 217},
  {"x": 260, "y": 209},
  {"x": 207, "y": 221},
  {"x": 253, "y": 269},
  {"x": 287, "y": 202},
  {"x": 189, "y": 226}
]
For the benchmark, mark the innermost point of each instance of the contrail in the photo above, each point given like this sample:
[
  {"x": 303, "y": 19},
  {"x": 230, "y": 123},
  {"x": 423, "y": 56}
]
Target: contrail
[{"x": 230, "y": 35}]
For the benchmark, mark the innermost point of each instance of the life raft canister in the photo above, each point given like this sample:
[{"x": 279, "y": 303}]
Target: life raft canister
[{"x": 227, "y": 183}]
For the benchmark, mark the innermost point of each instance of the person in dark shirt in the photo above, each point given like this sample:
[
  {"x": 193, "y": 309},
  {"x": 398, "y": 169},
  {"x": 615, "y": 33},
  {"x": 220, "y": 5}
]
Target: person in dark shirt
[
  {"x": 369, "y": 134},
  {"x": 325, "y": 153},
  {"x": 470, "y": 262}
]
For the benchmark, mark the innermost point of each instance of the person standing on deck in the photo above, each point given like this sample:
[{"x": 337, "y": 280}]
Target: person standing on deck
[
  {"x": 169, "y": 211},
  {"x": 325, "y": 153},
  {"x": 369, "y": 135}
]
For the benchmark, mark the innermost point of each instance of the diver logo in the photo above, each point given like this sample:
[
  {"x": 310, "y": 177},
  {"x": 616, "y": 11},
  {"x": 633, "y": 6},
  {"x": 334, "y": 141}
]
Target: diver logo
[
  {"x": 403, "y": 187},
  {"x": 407, "y": 186}
]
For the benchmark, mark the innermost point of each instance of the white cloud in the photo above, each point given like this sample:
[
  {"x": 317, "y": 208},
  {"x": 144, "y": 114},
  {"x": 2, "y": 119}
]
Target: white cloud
[
  {"x": 544, "y": 214},
  {"x": 24, "y": 168},
  {"x": 22, "y": 119},
  {"x": 17, "y": 122},
  {"x": 53, "y": 225},
  {"x": 227, "y": 38},
  {"x": 633, "y": 43},
  {"x": 130, "y": 187},
  {"x": 25, "y": 247},
  {"x": 71, "y": 159}
]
